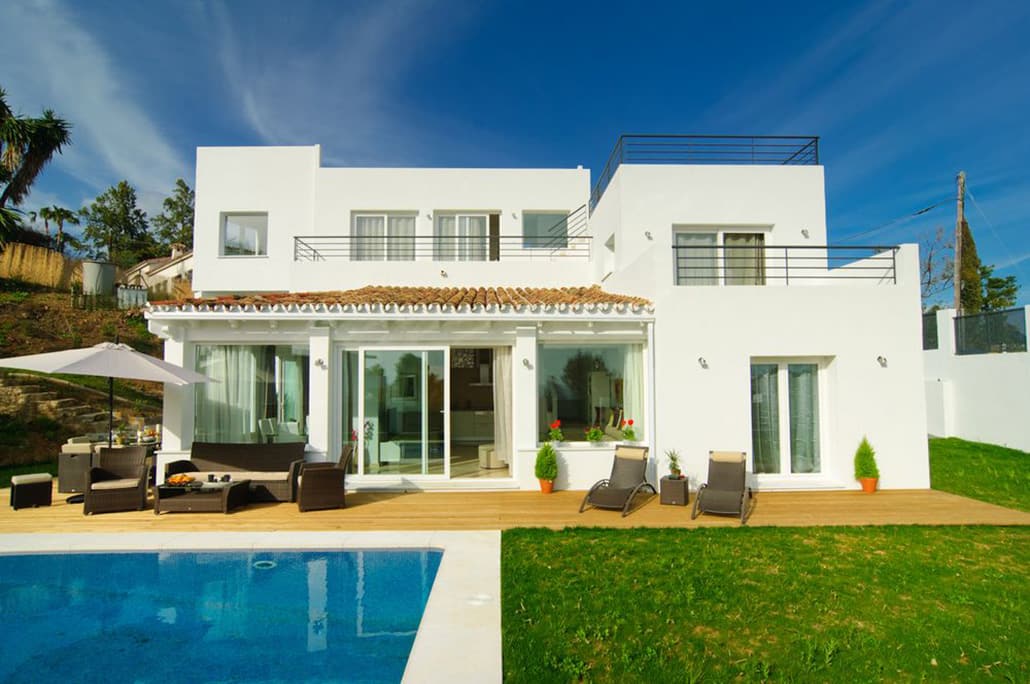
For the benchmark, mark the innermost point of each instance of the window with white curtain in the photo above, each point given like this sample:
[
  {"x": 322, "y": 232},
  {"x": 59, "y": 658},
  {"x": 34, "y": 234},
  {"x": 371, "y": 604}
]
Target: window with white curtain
[
  {"x": 461, "y": 237},
  {"x": 785, "y": 417},
  {"x": 260, "y": 393},
  {"x": 244, "y": 234},
  {"x": 589, "y": 385},
  {"x": 714, "y": 257},
  {"x": 383, "y": 237}
]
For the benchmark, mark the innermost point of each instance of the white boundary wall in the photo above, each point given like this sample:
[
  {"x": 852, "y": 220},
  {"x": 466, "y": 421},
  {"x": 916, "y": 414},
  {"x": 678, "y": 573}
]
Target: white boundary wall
[{"x": 979, "y": 397}]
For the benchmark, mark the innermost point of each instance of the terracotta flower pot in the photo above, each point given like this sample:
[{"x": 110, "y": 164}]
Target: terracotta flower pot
[
  {"x": 546, "y": 486},
  {"x": 869, "y": 484}
]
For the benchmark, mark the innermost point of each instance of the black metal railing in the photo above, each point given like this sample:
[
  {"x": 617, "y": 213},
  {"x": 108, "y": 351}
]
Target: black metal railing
[
  {"x": 930, "y": 340},
  {"x": 706, "y": 149},
  {"x": 991, "y": 332},
  {"x": 566, "y": 239},
  {"x": 783, "y": 264}
]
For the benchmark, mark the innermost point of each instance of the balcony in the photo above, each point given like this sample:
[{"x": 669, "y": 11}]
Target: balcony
[
  {"x": 707, "y": 149},
  {"x": 783, "y": 264},
  {"x": 567, "y": 241}
]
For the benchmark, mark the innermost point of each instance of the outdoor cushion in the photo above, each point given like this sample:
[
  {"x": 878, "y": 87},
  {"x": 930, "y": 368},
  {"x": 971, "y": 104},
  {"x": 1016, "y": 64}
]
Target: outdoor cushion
[
  {"x": 31, "y": 478},
  {"x": 126, "y": 483}
]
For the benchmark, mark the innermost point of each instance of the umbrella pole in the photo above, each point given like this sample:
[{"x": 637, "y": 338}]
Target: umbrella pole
[{"x": 110, "y": 411}]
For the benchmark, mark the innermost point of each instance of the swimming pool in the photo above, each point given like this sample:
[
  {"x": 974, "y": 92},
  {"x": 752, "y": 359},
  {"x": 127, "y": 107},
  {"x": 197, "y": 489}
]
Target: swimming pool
[{"x": 316, "y": 616}]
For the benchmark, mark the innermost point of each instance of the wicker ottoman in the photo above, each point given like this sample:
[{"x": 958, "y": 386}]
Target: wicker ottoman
[{"x": 29, "y": 491}]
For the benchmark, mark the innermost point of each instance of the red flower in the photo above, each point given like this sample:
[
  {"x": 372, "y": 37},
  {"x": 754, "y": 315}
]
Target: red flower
[
  {"x": 631, "y": 422},
  {"x": 555, "y": 425},
  {"x": 353, "y": 435},
  {"x": 622, "y": 423}
]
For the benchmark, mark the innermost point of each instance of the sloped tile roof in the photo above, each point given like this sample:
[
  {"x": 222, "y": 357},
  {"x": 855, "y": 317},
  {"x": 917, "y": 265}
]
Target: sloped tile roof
[{"x": 437, "y": 298}]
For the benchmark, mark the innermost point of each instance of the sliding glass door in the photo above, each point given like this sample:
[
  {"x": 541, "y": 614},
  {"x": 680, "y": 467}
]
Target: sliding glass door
[
  {"x": 403, "y": 415},
  {"x": 785, "y": 402}
]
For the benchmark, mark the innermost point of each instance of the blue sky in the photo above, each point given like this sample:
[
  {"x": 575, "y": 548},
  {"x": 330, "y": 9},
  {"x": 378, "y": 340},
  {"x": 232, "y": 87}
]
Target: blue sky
[{"x": 902, "y": 94}]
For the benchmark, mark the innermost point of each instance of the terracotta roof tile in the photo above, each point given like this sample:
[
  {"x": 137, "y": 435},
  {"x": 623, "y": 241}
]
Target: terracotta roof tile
[{"x": 413, "y": 296}]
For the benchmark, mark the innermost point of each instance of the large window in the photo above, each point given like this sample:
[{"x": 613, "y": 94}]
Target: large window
[
  {"x": 591, "y": 385},
  {"x": 384, "y": 237},
  {"x": 545, "y": 230},
  {"x": 715, "y": 257},
  {"x": 244, "y": 234},
  {"x": 461, "y": 237},
  {"x": 261, "y": 393},
  {"x": 785, "y": 417}
]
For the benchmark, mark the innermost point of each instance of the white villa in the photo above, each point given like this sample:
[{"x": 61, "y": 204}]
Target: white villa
[{"x": 441, "y": 319}]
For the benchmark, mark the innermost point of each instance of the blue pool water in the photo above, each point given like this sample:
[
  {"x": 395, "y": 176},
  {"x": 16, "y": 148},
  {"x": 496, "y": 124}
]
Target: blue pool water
[{"x": 313, "y": 616}]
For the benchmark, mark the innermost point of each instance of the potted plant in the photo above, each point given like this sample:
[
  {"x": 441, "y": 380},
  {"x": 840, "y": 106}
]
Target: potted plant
[
  {"x": 594, "y": 434},
  {"x": 628, "y": 432},
  {"x": 554, "y": 432},
  {"x": 866, "y": 471},
  {"x": 675, "y": 472},
  {"x": 546, "y": 468}
]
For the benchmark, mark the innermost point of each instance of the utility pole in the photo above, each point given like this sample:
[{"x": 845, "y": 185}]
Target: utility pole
[{"x": 960, "y": 219}]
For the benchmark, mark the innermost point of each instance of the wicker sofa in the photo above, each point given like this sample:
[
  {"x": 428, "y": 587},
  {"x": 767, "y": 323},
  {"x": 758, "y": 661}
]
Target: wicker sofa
[{"x": 271, "y": 468}]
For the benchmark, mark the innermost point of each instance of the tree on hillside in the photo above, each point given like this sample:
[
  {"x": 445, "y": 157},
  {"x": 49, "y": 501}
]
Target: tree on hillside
[
  {"x": 27, "y": 144},
  {"x": 971, "y": 297},
  {"x": 175, "y": 223},
  {"x": 60, "y": 216},
  {"x": 116, "y": 228},
  {"x": 998, "y": 293}
]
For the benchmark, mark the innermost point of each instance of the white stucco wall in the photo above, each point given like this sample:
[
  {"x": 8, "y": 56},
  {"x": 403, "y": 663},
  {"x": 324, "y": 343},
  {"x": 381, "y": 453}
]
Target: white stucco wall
[
  {"x": 979, "y": 397},
  {"x": 304, "y": 199}
]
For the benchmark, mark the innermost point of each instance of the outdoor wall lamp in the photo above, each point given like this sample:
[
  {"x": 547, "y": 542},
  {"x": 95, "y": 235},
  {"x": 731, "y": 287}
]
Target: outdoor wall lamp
[
  {"x": 702, "y": 362},
  {"x": 648, "y": 235},
  {"x": 882, "y": 360},
  {"x": 804, "y": 231},
  {"x": 321, "y": 363},
  {"x": 443, "y": 273},
  {"x": 526, "y": 363}
]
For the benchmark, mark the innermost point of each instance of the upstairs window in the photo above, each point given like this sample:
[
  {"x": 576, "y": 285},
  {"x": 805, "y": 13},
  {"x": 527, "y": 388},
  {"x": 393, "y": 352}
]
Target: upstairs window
[
  {"x": 714, "y": 258},
  {"x": 245, "y": 234},
  {"x": 461, "y": 237},
  {"x": 383, "y": 237},
  {"x": 545, "y": 230}
]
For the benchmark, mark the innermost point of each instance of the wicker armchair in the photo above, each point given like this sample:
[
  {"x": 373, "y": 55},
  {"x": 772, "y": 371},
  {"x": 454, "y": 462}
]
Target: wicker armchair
[
  {"x": 726, "y": 492},
  {"x": 320, "y": 485},
  {"x": 118, "y": 482}
]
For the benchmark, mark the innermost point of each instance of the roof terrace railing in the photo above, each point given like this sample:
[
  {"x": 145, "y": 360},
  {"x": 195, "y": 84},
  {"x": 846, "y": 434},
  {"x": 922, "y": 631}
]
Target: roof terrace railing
[{"x": 706, "y": 149}]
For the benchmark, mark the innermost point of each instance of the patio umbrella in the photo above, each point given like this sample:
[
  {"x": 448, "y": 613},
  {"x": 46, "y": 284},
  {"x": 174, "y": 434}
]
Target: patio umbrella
[{"x": 110, "y": 360}]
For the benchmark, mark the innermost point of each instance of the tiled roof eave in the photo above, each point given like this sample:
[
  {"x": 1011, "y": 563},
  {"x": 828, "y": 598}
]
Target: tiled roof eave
[{"x": 431, "y": 311}]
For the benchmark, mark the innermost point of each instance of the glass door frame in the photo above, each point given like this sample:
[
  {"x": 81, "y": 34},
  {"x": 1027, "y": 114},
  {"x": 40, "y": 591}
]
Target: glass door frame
[
  {"x": 782, "y": 384},
  {"x": 446, "y": 411}
]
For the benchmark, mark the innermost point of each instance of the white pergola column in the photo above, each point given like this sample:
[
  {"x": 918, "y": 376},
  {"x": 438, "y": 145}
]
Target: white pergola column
[{"x": 320, "y": 392}]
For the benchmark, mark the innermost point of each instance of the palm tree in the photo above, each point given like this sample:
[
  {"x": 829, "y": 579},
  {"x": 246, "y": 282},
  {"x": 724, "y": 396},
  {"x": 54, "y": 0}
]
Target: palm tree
[
  {"x": 46, "y": 214},
  {"x": 60, "y": 216},
  {"x": 26, "y": 146}
]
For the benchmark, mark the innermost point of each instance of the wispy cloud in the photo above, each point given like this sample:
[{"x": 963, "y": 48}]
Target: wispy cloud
[
  {"x": 343, "y": 91},
  {"x": 50, "y": 60}
]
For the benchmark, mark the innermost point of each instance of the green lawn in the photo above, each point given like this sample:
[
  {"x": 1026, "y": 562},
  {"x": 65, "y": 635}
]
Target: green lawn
[
  {"x": 782, "y": 604},
  {"x": 788, "y": 604},
  {"x": 981, "y": 471}
]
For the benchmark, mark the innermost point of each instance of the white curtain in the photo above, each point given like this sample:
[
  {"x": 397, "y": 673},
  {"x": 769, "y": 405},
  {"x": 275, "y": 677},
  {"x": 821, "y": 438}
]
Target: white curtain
[
  {"x": 472, "y": 238},
  {"x": 369, "y": 233},
  {"x": 502, "y": 403},
  {"x": 444, "y": 242},
  {"x": 696, "y": 259},
  {"x": 400, "y": 245},
  {"x": 745, "y": 258},
  {"x": 633, "y": 387},
  {"x": 803, "y": 391},
  {"x": 228, "y": 410}
]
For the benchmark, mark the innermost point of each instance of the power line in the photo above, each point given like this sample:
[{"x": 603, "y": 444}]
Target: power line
[
  {"x": 882, "y": 226},
  {"x": 994, "y": 232}
]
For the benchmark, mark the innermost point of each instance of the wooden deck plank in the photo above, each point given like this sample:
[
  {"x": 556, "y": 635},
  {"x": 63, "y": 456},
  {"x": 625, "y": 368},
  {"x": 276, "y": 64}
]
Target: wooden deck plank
[{"x": 505, "y": 509}]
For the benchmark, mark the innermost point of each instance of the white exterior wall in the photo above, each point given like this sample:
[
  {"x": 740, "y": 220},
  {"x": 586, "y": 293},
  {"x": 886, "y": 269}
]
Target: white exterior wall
[
  {"x": 304, "y": 199},
  {"x": 979, "y": 397},
  {"x": 845, "y": 325}
]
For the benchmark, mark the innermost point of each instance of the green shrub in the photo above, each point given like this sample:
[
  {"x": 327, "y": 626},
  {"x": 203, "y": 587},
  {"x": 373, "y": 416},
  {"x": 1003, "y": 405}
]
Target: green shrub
[
  {"x": 865, "y": 461},
  {"x": 546, "y": 463}
]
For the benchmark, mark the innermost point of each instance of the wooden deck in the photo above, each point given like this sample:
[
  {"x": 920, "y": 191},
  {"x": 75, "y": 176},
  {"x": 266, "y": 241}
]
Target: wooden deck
[{"x": 502, "y": 510}]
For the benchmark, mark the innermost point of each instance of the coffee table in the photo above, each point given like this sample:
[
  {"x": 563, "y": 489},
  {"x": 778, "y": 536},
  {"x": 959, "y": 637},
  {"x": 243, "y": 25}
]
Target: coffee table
[{"x": 210, "y": 497}]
